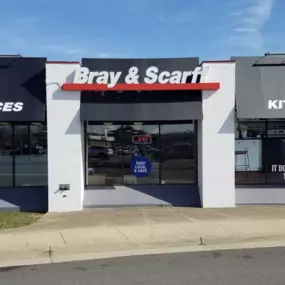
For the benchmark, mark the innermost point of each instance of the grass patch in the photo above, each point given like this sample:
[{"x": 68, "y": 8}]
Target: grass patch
[{"x": 16, "y": 220}]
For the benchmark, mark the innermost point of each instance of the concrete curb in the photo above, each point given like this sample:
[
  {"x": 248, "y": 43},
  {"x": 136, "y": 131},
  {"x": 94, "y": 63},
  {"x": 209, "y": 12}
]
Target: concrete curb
[{"x": 69, "y": 257}]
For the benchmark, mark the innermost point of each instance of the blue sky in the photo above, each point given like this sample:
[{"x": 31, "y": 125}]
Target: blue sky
[{"x": 210, "y": 29}]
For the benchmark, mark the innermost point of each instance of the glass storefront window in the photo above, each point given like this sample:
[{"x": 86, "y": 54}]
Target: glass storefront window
[
  {"x": 23, "y": 155},
  {"x": 140, "y": 141},
  {"x": 249, "y": 162},
  {"x": 178, "y": 154},
  {"x": 260, "y": 152},
  {"x": 30, "y": 155},
  {"x": 6, "y": 155},
  {"x": 38, "y": 152},
  {"x": 104, "y": 160},
  {"x": 274, "y": 152},
  {"x": 138, "y": 153}
]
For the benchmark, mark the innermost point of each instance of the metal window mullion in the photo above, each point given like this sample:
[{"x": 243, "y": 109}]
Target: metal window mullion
[
  {"x": 13, "y": 156},
  {"x": 265, "y": 154},
  {"x": 121, "y": 138},
  {"x": 195, "y": 122},
  {"x": 29, "y": 139},
  {"x": 86, "y": 158},
  {"x": 159, "y": 147}
]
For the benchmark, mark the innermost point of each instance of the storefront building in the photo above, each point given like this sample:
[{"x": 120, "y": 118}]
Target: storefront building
[
  {"x": 141, "y": 132},
  {"x": 260, "y": 129},
  {"x": 23, "y": 134}
]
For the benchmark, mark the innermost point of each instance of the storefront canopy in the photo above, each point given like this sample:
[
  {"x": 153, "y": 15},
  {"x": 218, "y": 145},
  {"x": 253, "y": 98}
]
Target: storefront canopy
[
  {"x": 260, "y": 87},
  {"x": 141, "y": 111},
  {"x": 22, "y": 89}
]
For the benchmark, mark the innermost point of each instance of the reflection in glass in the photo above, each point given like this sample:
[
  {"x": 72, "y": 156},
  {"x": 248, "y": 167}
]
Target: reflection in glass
[
  {"x": 169, "y": 152},
  {"x": 38, "y": 141},
  {"x": 274, "y": 152},
  {"x": 260, "y": 152},
  {"x": 30, "y": 155},
  {"x": 143, "y": 141},
  {"x": 6, "y": 155},
  {"x": 177, "y": 155},
  {"x": 104, "y": 155},
  {"x": 249, "y": 164}
]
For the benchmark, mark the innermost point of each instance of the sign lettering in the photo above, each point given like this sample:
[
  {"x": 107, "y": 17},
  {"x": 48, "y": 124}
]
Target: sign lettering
[
  {"x": 140, "y": 166},
  {"x": 11, "y": 106},
  {"x": 152, "y": 75},
  {"x": 278, "y": 168},
  {"x": 141, "y": 139},
  {"x": 275, "y": 104}
]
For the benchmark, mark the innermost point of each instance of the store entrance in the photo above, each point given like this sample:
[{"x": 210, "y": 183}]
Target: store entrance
[{"x": 124, "y": 153}]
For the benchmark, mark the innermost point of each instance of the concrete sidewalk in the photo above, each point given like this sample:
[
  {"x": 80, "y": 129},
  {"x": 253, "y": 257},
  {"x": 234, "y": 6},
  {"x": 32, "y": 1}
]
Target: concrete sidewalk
[{"x": 118, "y": 232}]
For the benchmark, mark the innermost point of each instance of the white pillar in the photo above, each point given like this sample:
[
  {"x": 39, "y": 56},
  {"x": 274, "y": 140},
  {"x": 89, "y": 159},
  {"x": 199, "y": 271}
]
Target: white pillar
[
  {"x": 216, "y": 137},
  {"x": 65, "y": 140}
]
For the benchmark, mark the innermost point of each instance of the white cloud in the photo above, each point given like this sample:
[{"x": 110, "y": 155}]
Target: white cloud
[
  {"x": 246, "y": 30},
  {"x": 63, "y": 49},
  {"x": 104, "y": 55},
  {"x": 249, "y": 23}
]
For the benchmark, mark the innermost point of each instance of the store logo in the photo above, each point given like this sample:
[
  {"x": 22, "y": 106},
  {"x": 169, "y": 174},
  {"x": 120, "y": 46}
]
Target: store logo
[
  {"x": 11, "y": 106},
  {"x": 152, "y": 76},
  {"x": 275, "y": 104}
]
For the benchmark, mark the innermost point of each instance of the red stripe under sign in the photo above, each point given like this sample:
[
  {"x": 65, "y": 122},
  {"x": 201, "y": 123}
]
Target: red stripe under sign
[{"x": 140, "y": 87}]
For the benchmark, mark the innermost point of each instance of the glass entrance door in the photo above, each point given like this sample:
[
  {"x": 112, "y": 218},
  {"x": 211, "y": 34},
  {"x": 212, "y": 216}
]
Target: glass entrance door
[
  {"x": 104, "y": 161},
  {"x": 140, "y": 146}
]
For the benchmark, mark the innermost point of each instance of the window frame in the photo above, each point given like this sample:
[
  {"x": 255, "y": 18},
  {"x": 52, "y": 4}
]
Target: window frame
[
  {"x": 29, "y": 124},
  {"x": 266, "y": 172},
  {"x": 124, "y": 123},
  {"x": 11, "y": 163}
]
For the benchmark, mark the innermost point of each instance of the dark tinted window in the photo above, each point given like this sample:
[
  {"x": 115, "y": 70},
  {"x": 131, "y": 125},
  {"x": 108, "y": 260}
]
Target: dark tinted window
[
  {"x": 6, "y": 155},
  {"x": 30, "y": 155},
  {"x": 170, "y": 150},
  {"x": 178, "y": 160}
]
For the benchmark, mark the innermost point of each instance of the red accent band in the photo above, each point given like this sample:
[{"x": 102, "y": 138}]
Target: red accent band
[
  {"x": 63, "y": 62},
  {"x": 218, "y": 61},
  {"x": 140, "y": 87}
]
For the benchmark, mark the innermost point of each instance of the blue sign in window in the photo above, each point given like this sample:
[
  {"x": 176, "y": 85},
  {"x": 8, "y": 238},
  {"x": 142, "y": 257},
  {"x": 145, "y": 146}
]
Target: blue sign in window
[{"x": 140, "y": 166}]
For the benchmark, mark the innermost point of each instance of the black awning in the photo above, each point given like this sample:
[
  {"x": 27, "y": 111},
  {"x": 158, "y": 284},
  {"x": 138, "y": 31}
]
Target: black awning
[
  {"x": 22, "y": 89},
  {"x": 271, "y": 60},
  {"x": 141, "y": 111},
  {"x": 260, "y": 90}
]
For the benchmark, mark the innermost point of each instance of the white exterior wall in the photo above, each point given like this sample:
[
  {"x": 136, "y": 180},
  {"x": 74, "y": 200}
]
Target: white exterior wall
[
  {"x": 216, "y": 164},
  {"x": 65, "y": 140},
  {"x": 216, "y": 137}
]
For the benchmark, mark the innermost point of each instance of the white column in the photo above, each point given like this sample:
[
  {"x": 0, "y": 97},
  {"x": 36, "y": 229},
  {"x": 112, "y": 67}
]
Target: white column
[
  {"x": 216, "y": 163},
  {"x": 65, "y": 140}
]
